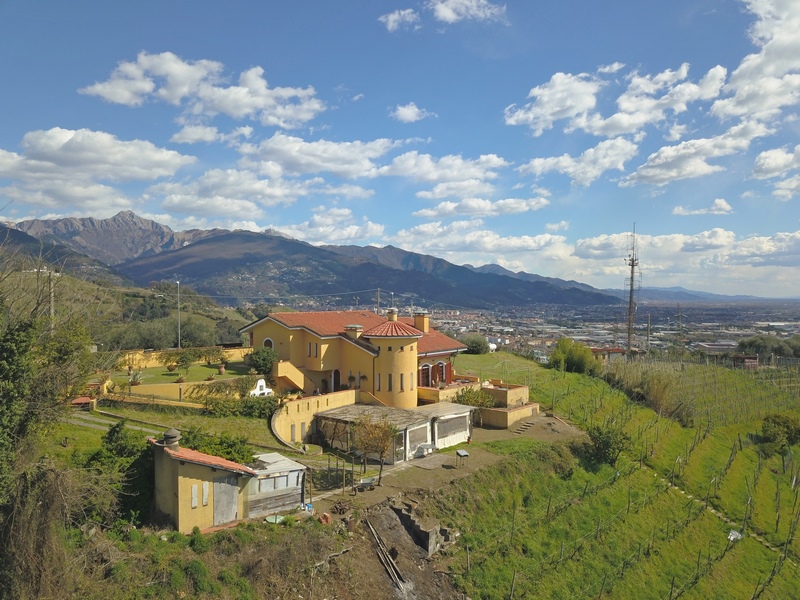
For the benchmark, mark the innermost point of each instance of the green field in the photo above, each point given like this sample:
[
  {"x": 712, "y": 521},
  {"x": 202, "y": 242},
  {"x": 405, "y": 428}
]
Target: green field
[{"x": 644, "y": 529}]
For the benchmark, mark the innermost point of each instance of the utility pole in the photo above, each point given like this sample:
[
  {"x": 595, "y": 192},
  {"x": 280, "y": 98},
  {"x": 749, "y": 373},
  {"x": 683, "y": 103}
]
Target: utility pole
[
  {"x": 633, "y": 263},
  {"x": 179, "y": 314}
]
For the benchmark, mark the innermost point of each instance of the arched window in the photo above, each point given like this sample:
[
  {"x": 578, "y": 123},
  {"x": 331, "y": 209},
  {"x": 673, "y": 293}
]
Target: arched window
[
  {"x": 268, "y": 343},
  {"x": 441, "y": 372}
]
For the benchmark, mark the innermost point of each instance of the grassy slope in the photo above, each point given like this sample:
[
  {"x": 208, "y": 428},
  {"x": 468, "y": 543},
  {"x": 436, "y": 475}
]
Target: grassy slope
[
  {"x": 691, "y": 457},
  {"x": 553, "y": 527}
]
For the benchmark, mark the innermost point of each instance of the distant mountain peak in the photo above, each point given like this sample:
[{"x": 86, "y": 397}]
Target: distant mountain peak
[{"x": 114, "y": 240}]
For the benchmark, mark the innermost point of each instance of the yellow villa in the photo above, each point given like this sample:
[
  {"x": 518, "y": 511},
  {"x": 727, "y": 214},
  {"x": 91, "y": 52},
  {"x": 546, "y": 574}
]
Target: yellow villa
[{"x": 388, "y": 358}]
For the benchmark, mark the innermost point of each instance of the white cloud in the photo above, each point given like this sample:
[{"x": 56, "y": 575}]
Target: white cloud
[
  {"x": 348, "y": 191},
  {"x": 410, "y": 113},
  {"x": 776, "y": 163},
  {"x": 583, "y": 170},
  {"x": 560, "y": 226},
  {"x": 457, "y": 189},
  {"x": 690, "y": 159},
  {"x": 75, "y": 197},
  {"x": 766, "y": 81},
  {"x": 611, "y": 69},
  {"x": 62, "y": 167},
  {"x": 198, "y": 84},
  {"x": 467, "y": 237},
  {"x": 88, "y": 154},
  {"x": 718, "y": 207},
  {"x": 788, "y": 188},
  {"x": 452, "y": 167},
  {"x": 333, "y": 225},
  {"x": 640, "y": 104},
  {"x": 394, "y": 20},
  {"x": 229, "y": 192},
  {"x": 453, "y": 11},
  {"x": 284, "y": 153},
  {"x": 478, "y": 207},
  {"x": 565, "y": 96},
  {"x": 192, "y": 134}
]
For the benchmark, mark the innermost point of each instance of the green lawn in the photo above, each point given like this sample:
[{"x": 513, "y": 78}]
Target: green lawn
[
  {"x": 256, "y": 431},
  {"x": 197, "y": 372}
]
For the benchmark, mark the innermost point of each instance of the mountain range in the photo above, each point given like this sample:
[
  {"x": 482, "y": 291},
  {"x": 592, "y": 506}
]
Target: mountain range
[{"x": 237, "y": 267}]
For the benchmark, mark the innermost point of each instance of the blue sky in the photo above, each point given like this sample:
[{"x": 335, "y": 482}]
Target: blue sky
[{"x": 528, "y": 134}]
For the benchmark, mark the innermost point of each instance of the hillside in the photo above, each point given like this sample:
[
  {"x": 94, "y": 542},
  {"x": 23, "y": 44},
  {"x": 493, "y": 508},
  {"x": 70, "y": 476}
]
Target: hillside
[
  {"x": 22, "y": 251},
  {"x": 250, "y": 265},
  {"x": 114, "y": 240},
  {"x": 545, "y": 520}
]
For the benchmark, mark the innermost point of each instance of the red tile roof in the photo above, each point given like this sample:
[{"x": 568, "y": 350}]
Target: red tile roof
[
  {"x": 333, "y": 323},
  {"x": 393, "y": 329},
  {"x": 208, "y": 460}
]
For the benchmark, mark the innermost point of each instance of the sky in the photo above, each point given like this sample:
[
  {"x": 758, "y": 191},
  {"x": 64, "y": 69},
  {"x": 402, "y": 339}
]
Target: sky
[{"x": 534, "y": 135}]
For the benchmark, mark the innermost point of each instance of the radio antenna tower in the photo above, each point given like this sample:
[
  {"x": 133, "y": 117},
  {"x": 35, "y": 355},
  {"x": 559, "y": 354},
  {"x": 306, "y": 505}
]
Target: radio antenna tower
[{"x": 633, "y": 262}]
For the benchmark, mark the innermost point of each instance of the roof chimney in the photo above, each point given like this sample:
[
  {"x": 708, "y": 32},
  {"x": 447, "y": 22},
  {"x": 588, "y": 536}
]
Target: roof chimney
[
  {"x": 171, "y": 438},
  {"x": 422, "y": 321},
  {"x": 391, "y": 314},
  {"x": 354, "y": 331}
]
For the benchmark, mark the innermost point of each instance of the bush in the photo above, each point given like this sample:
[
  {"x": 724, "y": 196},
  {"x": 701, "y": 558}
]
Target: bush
[
  {"x": 608, "y": 443},
  {"x": 475, "y": 343},
  {"x": 778, "y": 432},
  {"x": 574, "y": 357},
  {"x": 262, "y": 360},
  {"x": 198, "y": 542}
]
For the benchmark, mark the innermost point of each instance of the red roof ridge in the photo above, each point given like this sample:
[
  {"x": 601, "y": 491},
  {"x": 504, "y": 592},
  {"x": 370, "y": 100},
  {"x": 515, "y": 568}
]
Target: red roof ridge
[
  {"x": 393, "y": 329},
  {"x": 208, "y": 460}
]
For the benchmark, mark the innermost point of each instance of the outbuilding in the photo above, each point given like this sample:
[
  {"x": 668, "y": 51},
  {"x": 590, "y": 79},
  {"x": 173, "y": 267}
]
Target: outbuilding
[{"x": 279, "y": 484}]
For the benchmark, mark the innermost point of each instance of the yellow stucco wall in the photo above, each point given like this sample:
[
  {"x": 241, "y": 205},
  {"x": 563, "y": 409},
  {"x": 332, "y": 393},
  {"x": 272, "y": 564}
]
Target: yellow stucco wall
[
  {"x": 296, "y": 412},
  {"x": 172, "y": 391},
  {"x": 139, "y": 359},
  {"x": 173, "y": 492},
  {"x": 202, "y": 516},
  {"x": 401, "y": 363},
  {"x": 166, "y": 485},
  {"x": 503, "y": 418},
  {"x": 507, "y": 394},
  {"x": 448, "y": 394}
]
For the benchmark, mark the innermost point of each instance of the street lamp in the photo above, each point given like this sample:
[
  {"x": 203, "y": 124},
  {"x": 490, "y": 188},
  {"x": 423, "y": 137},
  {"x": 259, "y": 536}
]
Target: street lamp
[{"x": 179, "y": 314}]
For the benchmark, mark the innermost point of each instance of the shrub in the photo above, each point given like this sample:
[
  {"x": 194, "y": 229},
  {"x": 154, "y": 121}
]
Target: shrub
[
  {"x": 198, "y": 542},
  {"x": 574, "y": 357},
  {"x": 778, "y": 432},
  {"x": 262, "y": 359},
  {"x": 608, "y": 443},
  {"x": 475, "y": 343}
]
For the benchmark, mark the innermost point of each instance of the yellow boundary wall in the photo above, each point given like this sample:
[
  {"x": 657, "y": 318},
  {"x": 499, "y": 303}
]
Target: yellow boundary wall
[
  {"x": 145, "y": 359},
  {"x": 301, "y": 412}
]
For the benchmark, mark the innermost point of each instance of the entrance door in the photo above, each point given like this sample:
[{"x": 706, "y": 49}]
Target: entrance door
[
  {"x": 425, "y": 376},
  {"x": 226, "y": 499},
  {"x": 337, "y": 380}
]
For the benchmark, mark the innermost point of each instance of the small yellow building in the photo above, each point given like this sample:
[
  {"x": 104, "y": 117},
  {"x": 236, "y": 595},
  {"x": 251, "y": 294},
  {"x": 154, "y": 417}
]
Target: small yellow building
[
  {"x": 193, "y": 489},
  {"x": 386, "y": 357}
]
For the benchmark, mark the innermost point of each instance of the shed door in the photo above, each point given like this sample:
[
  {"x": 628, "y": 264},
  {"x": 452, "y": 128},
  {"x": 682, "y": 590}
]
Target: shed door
[{"x": 226, "y": 499}]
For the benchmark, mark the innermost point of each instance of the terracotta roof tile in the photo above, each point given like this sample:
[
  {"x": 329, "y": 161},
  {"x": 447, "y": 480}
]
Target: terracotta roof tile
[
  {"x": 208, "y": 460},
  {"x": 393, "y": 329},
  {"x": 333, "y": 323}
]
